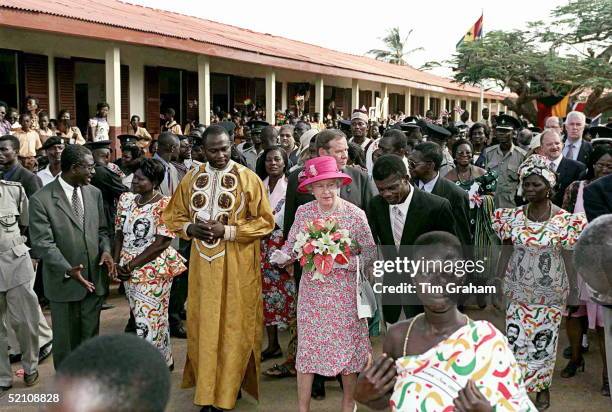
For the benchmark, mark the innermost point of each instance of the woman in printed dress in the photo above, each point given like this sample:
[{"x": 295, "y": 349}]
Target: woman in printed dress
[
  {"x": 537, "y": 273},
  {"x": 599, "y": 164},
  {"x": 145, "y": 260},
  {"x": 332, "y": 340},
  {"x": 480, "y": 185},
  {"x": 278, "y": 284},
  {"x": 441, "y": 360}
]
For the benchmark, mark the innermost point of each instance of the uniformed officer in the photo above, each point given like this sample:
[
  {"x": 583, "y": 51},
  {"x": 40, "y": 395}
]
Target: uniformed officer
[
  {"x": 505, "y": 158},
  {"x": 18, "y": 302},
  {"x": 440, "y": 135}
]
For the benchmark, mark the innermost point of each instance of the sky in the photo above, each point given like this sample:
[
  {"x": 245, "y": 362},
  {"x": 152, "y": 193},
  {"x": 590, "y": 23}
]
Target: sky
[{"x": 356, "y": 26}]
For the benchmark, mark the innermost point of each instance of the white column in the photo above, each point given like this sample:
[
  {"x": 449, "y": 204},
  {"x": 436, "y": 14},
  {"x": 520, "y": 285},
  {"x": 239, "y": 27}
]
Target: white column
[
  {"x": 354, "y": 95},
  {"x": 481, "y": 105},
  {"x": 384, "y": 94},
  {"x": 407, "y": 101},
  {"x": 427, "y": 102},
  {"x": 137, "y": 98},
  {"x": 442, "y": 104},
  {"x": 113, "y": 85},
  {"x": 498, "y": 108},
  {"x": 505, "y": 109},
  {"x": 52, "y": 86},
  {"x": 271, "y": 97},
  {"x": 319, "y": 95},
  {"x": 204, "y": 89},
  {"x": 284, "y": 97}
]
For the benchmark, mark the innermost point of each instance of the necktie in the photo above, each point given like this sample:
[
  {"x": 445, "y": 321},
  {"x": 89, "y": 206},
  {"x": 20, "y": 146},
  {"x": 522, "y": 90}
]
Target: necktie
[
  {"x": 570, "y": 152},
  {"x": 552, "y": 166},
  {"x": 397, "y": 225},
  {"x": 170, "y": 183},
  {"x": 77, "y": 207}
]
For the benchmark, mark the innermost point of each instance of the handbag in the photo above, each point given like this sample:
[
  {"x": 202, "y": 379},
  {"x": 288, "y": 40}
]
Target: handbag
[{"x": 366, "y": 300}]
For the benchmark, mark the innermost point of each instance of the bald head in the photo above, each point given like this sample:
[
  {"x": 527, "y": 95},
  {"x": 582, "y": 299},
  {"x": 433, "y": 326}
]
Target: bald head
[
  {"x": 269, "y": 137},
  {"x": 593, "y": 259}
]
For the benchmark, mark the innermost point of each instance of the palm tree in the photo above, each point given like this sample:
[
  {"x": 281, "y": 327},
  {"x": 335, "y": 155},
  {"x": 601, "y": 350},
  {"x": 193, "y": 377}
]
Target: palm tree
[{"x": 395, "y": 53}]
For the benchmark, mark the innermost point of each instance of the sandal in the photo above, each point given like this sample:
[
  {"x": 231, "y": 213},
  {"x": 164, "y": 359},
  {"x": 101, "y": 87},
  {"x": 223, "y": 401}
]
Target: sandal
[
  {"x": 280, "y": 371},
  {"x": 271, "y": 355}
]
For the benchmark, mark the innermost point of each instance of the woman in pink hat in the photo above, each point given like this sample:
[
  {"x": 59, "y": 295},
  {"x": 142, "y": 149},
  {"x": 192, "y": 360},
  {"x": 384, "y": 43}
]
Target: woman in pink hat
[{"x": 332, "y": 340}]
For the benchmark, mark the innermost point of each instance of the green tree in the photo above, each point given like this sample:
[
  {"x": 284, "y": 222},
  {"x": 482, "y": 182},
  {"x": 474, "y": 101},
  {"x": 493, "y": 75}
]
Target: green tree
[
  {"x": 570, "y": 54},
  {"x": 395, "y": 52}
]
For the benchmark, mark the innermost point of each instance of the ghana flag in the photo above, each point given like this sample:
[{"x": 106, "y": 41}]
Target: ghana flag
[{"x": 473, "y": 34}]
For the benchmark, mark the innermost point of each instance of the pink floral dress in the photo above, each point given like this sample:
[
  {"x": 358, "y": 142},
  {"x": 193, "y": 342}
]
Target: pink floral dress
[{"x": 332, "y": 339}]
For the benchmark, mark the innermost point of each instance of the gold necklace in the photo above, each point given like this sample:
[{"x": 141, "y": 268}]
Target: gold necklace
[
  {"x": 148, "y": 201},
  {"x": 544, "y": 223}
]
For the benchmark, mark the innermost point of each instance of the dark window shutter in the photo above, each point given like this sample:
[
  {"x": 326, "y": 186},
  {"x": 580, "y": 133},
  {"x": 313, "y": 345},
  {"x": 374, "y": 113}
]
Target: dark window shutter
[
  {"x": 36, "y": 78},
  {"x": 64, "y": 75},
  {"x": 474, "y": 112},
  {"x": 311, "y": 99},
  {"x": 152, "y": 101},
  {"x": 125, "y": 98},
  {"x": 191, "y": 79},
  {"x": 278, "y": 98}
]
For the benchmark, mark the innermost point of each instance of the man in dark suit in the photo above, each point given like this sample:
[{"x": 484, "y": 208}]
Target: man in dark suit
[
  {"x": 398, "y": 216},
  {"x": 576, "y": 148},
  {"x": 568, "y": 170},
  {"x": 425, "y": 161},
  {"x": 10, "y": 168},
  {"x": 330, "y": 142},
  {"x": 69, "y": 233}
]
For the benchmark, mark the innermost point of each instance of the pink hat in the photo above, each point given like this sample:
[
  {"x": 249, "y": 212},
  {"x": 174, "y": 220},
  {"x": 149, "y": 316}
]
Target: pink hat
[{"x": 321, "y": 168}]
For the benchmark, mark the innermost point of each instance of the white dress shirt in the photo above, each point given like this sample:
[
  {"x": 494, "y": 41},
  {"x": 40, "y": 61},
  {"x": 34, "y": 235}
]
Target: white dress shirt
[
  {"x": 68, "y": 189},
  {"x": 46, "y": 176},
  {"x": 429, "y": 186},
  {"x": 577, "y": 145}
]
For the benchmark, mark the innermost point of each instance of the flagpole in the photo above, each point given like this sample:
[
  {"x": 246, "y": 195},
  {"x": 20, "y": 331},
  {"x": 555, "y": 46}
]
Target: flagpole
[{"x": 481, "y": 86}]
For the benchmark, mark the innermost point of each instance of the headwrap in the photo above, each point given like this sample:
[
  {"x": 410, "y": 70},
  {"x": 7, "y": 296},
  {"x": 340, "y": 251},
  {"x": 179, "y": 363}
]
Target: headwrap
[
  {"x": 358, "y": 114},
  {"x": 305, "y": 140},
  {"x": 536, "y": 165}
]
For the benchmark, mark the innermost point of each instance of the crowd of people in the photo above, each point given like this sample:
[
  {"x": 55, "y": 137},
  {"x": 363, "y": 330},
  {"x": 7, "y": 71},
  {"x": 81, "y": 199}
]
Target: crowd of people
[{"x": 203, "y": 232}]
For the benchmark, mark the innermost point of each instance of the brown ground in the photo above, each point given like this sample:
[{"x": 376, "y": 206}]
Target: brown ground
[{"x": 580, "y": 393}]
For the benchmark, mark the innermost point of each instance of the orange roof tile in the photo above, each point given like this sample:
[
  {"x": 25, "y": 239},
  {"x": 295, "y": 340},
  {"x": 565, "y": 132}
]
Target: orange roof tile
[{"x": 173, "y": 25}]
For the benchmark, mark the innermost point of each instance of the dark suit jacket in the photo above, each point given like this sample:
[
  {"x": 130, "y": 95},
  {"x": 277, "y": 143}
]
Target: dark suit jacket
[
  {"x": 426, "y": 213},
  {"x": 359, "y": 193},
  {"x": 30, "y": 182},
  {"x": 62, "y": 242},
  {"x": 585, "y": 150},
  {"x": 460, "y": 205},
  {"x": 112, "y": 188},
  {"x": 568, "y": 172},
  {"x": 598, "y": 198}
]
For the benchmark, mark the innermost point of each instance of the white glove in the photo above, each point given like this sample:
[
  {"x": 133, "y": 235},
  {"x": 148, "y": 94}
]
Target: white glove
[{"x": 279, "y": 258}]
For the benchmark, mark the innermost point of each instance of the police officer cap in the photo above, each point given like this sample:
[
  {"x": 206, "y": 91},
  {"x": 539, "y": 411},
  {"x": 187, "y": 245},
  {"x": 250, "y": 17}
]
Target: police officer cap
[
  {"x": 102, "y": 144},
  {"x": 411, "y": 120},
  {"x": 127, "y": 139},
  {"x": 600, "y": 131},
  {"x": 257, "y": 125},
  {"x": 52, "y": 141},
  {"x": 535, "y": 129},
  {"x": 507, "y": 122},
  {"x": 436, "y": 132},
  {"x": 344, "y": 124}
]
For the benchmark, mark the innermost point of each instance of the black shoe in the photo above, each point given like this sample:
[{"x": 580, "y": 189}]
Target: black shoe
[
  {"x": 570, "y": 370},
  {"x": 178, "y": 332},
  {"x": 4, "y": 390},
  {"x": 107, "y": 306},
  {"x": 45, "y": 352},
  {"x": 171, "y": 367},
  {"x": 15, "y": 358},
  {"x": 318, "y": 390},
  {"x": 567, "y": 352}
]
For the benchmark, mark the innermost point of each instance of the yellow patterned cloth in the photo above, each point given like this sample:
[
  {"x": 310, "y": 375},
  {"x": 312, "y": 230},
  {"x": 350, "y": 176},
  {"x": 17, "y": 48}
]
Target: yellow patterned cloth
[
  {"x": 224, "y": 302},
  {"x": 429, "y": 382}
]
